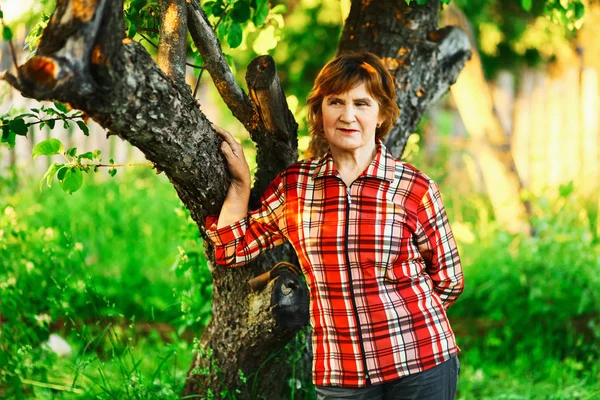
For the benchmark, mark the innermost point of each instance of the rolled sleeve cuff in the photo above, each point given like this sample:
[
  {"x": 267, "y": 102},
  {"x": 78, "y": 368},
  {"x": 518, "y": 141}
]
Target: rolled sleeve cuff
[{"x": 225, "y": 234}]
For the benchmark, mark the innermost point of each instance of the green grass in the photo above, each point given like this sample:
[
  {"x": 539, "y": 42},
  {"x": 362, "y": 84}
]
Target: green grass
[
  {"x": 115, "y": 254},
  {"x": 523, "y": 380}
]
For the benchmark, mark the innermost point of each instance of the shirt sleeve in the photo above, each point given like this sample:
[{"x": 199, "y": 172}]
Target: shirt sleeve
[
  {"x": 438, "y": 247},
  {"x": 243, "y": 241}
]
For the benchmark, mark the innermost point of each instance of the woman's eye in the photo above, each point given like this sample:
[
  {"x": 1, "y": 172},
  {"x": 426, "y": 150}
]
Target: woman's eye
[{"x": 360, "y": 104}]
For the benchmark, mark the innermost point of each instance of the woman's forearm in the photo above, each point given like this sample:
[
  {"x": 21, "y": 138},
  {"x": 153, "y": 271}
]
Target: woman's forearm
[{"x": 235, "y": 206}]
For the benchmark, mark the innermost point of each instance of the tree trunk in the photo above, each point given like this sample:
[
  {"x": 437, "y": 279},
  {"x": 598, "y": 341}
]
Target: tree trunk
[{"x": 83, "y": 59}]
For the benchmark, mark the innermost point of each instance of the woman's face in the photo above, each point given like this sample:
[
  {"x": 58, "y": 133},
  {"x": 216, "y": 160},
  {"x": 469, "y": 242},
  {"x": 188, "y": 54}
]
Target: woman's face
[{"x": 350, "y": 120}]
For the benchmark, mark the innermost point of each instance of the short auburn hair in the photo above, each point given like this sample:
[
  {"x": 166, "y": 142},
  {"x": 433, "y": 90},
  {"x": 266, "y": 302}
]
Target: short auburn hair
[{"x": 344, "y": 73}]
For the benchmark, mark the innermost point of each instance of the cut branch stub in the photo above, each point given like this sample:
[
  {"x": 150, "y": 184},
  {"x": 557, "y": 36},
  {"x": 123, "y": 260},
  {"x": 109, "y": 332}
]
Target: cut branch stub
[
  {"x": 268, "y": 97},
  {"x": 275, "y": 130},
  {"x": 454, "y": 49},
  {"x": 74, "y": 46}
]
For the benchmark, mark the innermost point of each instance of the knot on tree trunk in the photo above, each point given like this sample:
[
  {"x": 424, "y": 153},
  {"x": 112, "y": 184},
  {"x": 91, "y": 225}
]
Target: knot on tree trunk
[{"x": 290, "y": 300}]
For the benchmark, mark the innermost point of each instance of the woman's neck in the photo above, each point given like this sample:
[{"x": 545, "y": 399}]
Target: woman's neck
[{"x": 350, "y": 164}]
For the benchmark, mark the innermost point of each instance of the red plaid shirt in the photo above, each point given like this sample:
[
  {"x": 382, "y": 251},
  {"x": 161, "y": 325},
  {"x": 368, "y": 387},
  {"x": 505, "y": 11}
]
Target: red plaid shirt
[{"x": 380, "y": 263}]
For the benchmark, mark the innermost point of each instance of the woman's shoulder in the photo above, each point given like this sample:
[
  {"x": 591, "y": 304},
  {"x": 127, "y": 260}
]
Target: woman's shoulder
[{"x": 404, "y": 168}]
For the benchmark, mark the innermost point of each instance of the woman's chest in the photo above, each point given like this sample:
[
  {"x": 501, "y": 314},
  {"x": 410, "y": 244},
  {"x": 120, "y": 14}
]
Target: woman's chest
[{"x": 331, "y": 223}]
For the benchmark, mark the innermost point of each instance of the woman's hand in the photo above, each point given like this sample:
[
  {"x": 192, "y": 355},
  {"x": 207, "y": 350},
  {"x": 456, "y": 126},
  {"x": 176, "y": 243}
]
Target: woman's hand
[
  {"x": 236, "y": 160},
  {"x": 235, "y": 206}
]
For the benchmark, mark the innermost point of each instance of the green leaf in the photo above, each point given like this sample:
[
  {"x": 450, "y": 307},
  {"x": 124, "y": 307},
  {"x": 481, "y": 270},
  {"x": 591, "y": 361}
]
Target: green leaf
[
  {"x": 47, "y": 148},
  {"x": 566, "y": 189},
  {"x": 7, "y": 33},
  {"x": 1, "y": 14},
  {"x": 84, "y": 128},
  {"x": 72, "y": 180},
  {"x": 18, "y": 126},
  {"x": 72, "y": 151},
  {"x": 87, "y": 155},
  {"x": 421, "y": 2},
  {"x": 61, "y": 107},
  {"x": 131, "y": 32},
  {"x": 96, "y": 153},
  {"x": 49, "y": 110},
  {"x": 260, "y": 15},
  {"x": 223, "y": 28},
  {"x": 49, "y": 175},
  {"x": 281, "y": 9},
  {"x": 61, "y": 173},
  {"x": 218, "y": 8},
  {"x": 240, "y": 12},
  {"x": 230, "y": 62},
  {"x": 208, "y": 6},
  {"x": 579, "y": 10},
  {"x": 8, "y": 137},
  {"x": 234, "y": 37},
  {"x": 51, "y": 123},
  {"x": 526, "y": 4},
  {"x": 138, "y": 4},
  {"x": 407, "y": 2},
  {"x": 112, "y": 171}
]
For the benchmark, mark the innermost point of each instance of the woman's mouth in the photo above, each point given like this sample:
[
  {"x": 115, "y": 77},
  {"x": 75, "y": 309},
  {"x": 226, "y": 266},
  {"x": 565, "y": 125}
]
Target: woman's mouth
[{"x": 348, "y": 131}]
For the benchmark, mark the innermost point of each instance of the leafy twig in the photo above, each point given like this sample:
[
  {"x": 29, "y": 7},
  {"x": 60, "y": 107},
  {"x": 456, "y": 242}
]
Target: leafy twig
[
  {"x": 215, "y": 31},
  {"x": 118, "y": 165}
]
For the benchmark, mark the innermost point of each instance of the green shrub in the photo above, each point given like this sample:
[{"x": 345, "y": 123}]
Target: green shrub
[{"x": 536, "y": 296}]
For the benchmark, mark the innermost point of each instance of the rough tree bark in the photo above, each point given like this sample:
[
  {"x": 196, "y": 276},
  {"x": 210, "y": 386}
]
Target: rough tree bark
[{"x": 83, "y": 59}]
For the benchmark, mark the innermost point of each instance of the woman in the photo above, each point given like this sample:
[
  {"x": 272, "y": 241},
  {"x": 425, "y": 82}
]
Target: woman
[{"x": 371, "y": 236}]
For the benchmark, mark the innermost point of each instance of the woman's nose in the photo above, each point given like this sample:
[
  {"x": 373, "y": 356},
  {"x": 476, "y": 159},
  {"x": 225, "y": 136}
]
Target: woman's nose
[{"x": 347, "y": 114}]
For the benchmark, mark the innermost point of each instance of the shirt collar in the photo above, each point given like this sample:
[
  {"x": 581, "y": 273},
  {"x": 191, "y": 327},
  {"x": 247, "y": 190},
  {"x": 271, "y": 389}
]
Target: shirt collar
[{"x": 382, "y": 167}]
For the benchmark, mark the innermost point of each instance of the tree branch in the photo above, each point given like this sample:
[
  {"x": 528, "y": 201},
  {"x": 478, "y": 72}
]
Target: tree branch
[
  {"x": 172, "y": 38},
  {"x": 215, "y": 63}
]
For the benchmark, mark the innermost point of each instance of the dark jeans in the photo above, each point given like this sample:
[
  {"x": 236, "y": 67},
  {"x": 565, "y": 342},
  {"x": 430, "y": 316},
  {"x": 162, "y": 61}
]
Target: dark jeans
[{"x": 437, "y": 383}]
